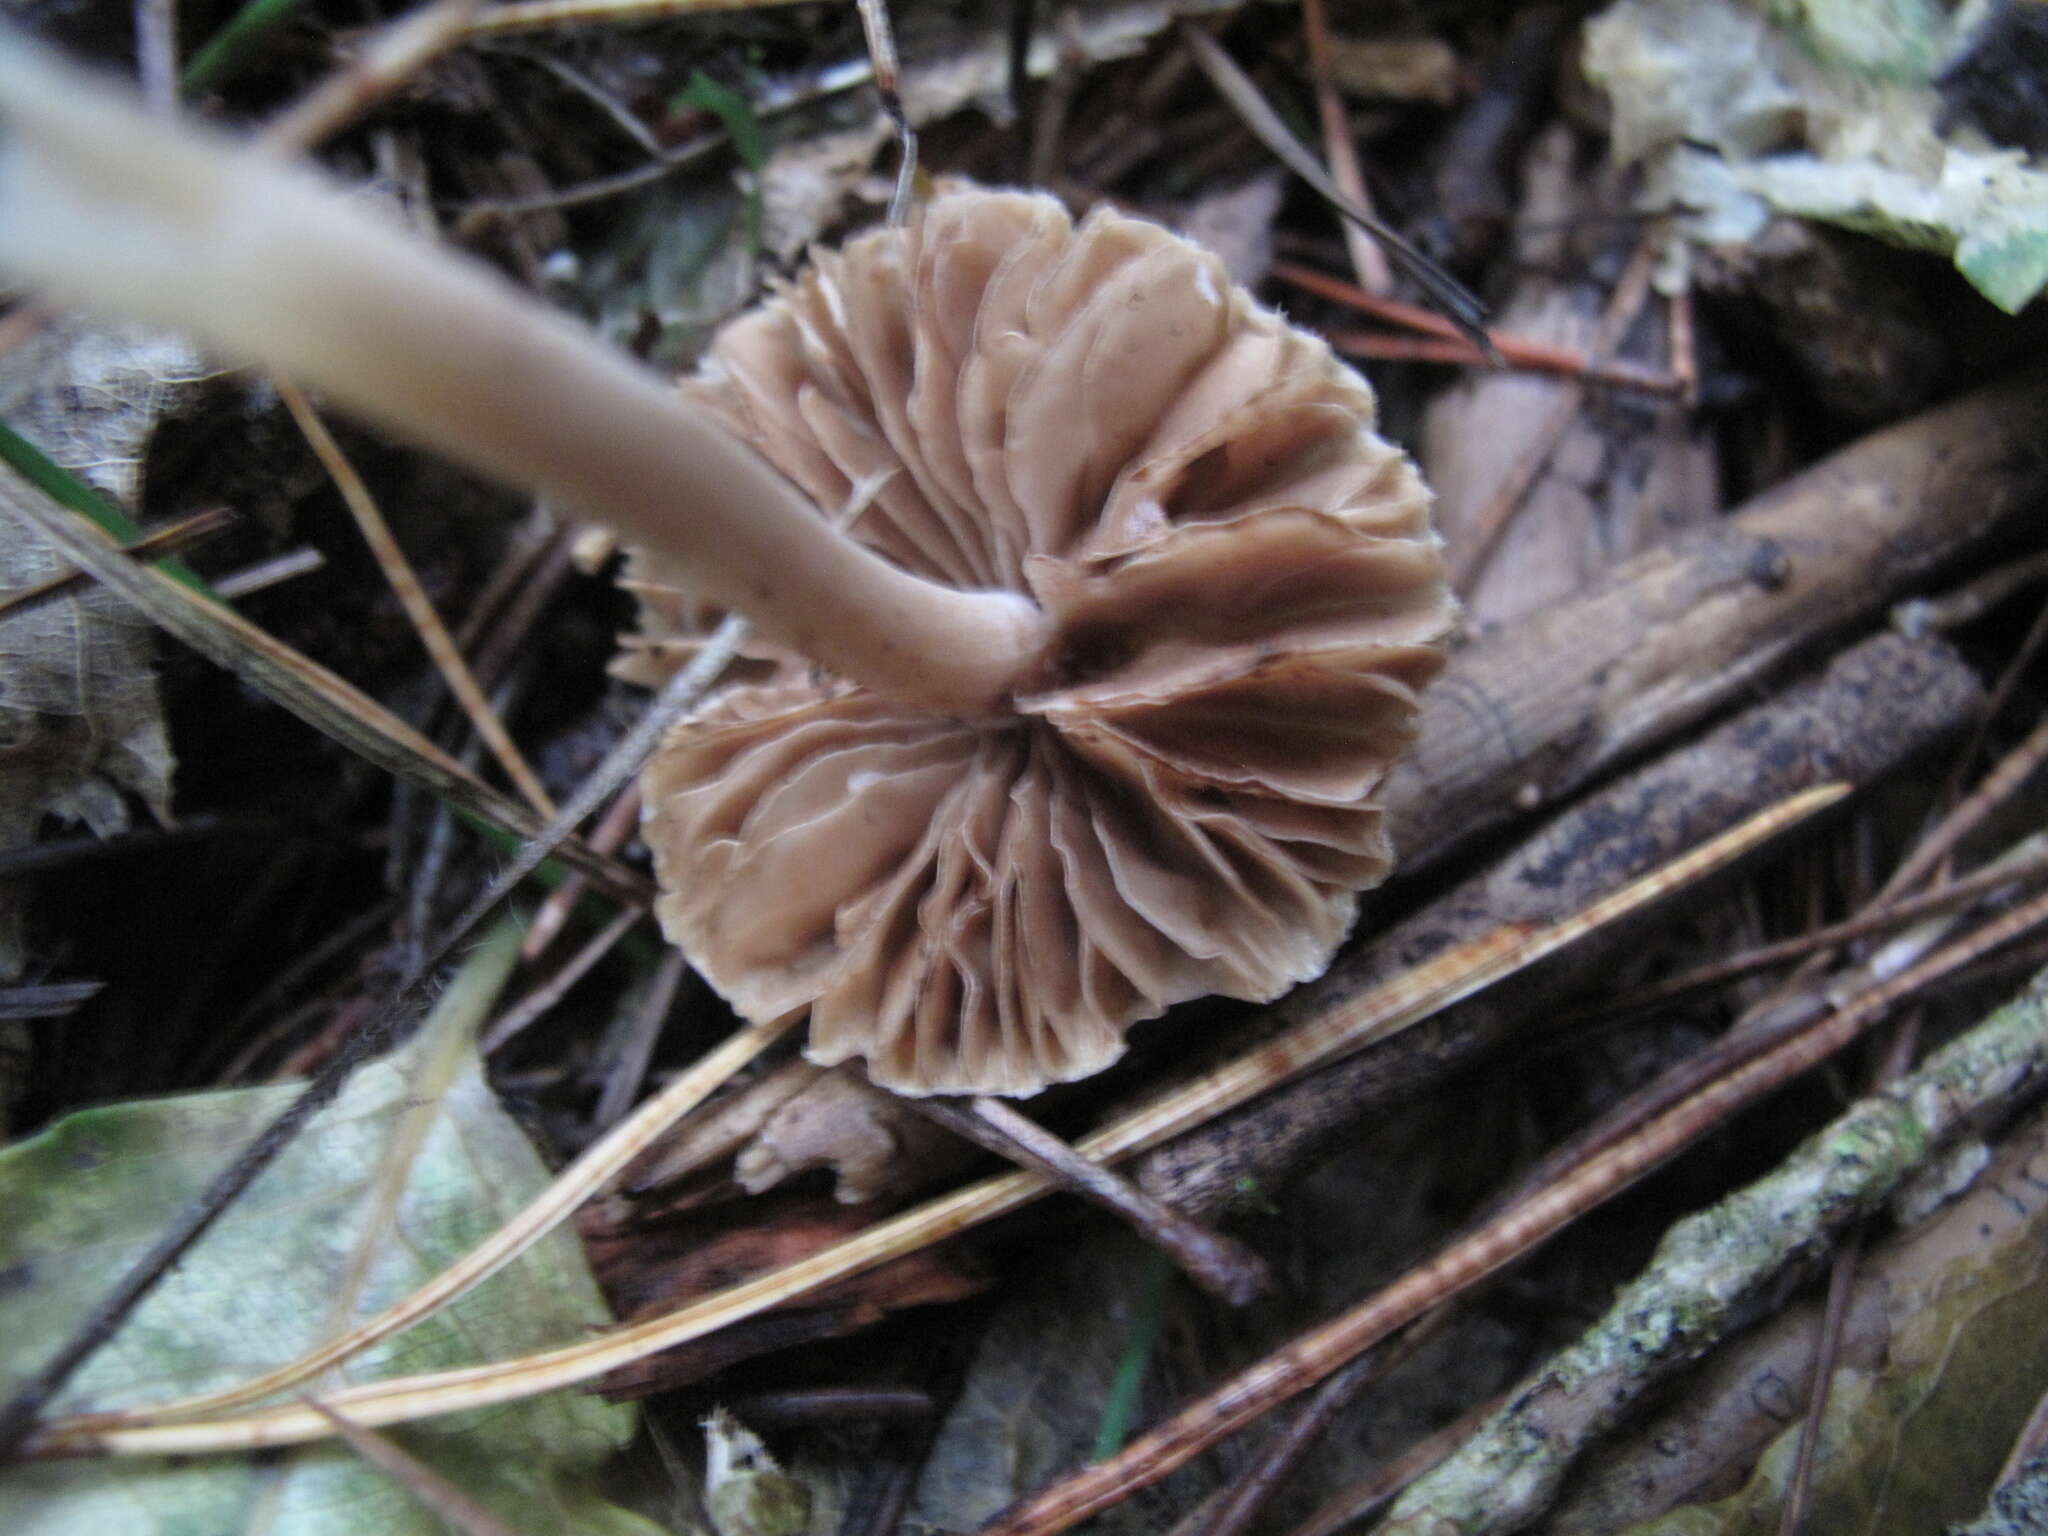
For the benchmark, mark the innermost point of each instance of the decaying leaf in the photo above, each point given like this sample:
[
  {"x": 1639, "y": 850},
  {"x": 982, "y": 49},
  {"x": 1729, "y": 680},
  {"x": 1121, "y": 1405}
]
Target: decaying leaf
[
  {"x": 88, "y": 1195},
  {"x": 1822, "y": 112},
  {"x": 81, "y": 725}
]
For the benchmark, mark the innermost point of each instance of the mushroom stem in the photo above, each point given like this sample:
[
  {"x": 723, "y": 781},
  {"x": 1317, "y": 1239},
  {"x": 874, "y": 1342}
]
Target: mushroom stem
[{"x": 107, "y": 207}]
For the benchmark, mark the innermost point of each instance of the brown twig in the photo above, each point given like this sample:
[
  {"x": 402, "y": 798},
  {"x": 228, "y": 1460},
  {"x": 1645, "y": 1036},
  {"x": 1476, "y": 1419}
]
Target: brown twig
[
  {"x": 550, "y": 992},
  {"x": 1387, "y": 346},
  {"x": 1514, "y": 1232},
  {"x": 2001, "y": 694},
  {"x": 2012, "y": 770},
  {"x": 1873, "y": 919},
  {"x": 182, "y": 534},
  {"x": 1237, "y": 1506},
  {"x": 628, "y": 1069},
  {"x": 412, "y": 597},
  {"x": 1515, "y": 350},
  {"x": 1458, "y": 303},
  {"x": 1219, "y": 1264},
  {"x": 832, "y": 1405},
  {"x": 1682, "y": 336},
  {"x": 608, "y": 836},
  {"x": 1362, "y": 1499}
]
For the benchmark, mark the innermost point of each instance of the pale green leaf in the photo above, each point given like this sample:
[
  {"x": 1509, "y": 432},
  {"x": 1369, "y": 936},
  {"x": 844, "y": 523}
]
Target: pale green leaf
[{"x": 81, "y": 1200}]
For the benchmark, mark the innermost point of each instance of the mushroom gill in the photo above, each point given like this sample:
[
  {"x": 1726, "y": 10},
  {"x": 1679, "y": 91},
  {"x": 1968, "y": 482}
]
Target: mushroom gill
[{"x": 1245, "y": 598}]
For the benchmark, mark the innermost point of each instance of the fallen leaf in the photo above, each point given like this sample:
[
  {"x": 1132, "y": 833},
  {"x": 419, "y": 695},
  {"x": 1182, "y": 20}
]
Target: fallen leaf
[{"x": 286, "y": 1267}]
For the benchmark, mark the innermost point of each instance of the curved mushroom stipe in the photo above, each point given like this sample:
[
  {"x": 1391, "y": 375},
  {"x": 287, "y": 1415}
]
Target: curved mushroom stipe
[{"x": 1245, "y": 598}]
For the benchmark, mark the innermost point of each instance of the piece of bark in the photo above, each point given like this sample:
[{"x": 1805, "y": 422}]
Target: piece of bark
[
  {"x": 1528, "y": 715},
  {"x": 1876, "y": 706},
  {"x": 647, "y": 1270}
]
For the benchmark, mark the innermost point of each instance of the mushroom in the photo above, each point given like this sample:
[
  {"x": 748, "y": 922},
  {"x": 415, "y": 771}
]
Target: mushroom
[
  {"x": 1242, "y": 597},
  {"x": 1117, "y": 656}
]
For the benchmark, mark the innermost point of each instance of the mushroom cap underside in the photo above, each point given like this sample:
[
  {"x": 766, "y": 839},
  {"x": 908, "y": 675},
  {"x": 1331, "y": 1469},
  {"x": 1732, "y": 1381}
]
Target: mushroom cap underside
[{"x": 1246, "y": 599}]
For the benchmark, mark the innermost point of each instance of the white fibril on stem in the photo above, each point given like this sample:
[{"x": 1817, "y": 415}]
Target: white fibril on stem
[{"x": 109, "y": 208}]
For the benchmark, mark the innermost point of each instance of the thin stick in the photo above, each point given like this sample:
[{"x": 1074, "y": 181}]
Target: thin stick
[
  {"x": 182, "y": 534},
  {"x": 2016, "y": 669},
  {"x": 1372, "y": 1015},
  {"x": 2028, "y": 862},
  {"x": 1352, "y": 1504},
  {"x": 550, "y": 992},
  {"x": 268, "y": 573},
  {"x": 1237, "y": 1506},
  {"x": 1219, "y": 1264},
  {"x": 1996, "y": 787},
  {"x": 1680, "y": 329},
  {"x": 1479, "y": 540},
  {"x": 626, "y": 1074},
  {"x": 1516, "y": 1231},
  {"x": 608, "y": 836},
  {"x": 435, "y": 1492},
  {"x": 1340, "y": 148},
  {"x": 1385, "y": 346},
  {"x": 405, "y": 585},
  {"x": 389, "y": 57}
]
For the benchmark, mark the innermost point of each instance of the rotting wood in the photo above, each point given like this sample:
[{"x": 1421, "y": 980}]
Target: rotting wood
[
  {"x": 1875, "y": 707},
  {"x": 1531, "y": 713}
]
